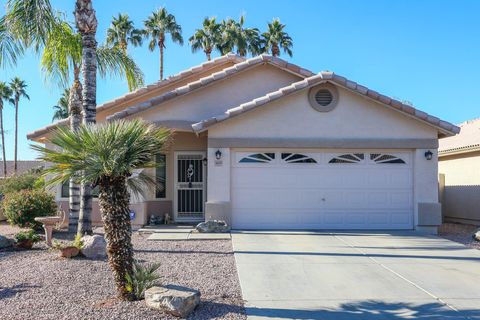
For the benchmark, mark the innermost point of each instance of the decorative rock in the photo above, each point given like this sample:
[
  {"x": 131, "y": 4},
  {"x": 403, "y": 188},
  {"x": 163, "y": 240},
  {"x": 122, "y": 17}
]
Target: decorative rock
[
  {"x": 476, "y": 235},
  {"x": 94, "y": 247},
  {"x": 5, "y": 242},
  {"x": 212, "y": 226},
  {"x": 175, "y": 300}
]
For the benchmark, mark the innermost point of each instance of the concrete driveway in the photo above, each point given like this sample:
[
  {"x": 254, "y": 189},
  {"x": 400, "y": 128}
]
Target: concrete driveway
[{"x": 356, "y": 275}]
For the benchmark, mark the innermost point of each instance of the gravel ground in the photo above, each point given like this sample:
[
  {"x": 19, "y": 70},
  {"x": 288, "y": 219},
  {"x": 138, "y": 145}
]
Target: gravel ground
[
  {"x": 36, "y": 284},
  {"x": 459, "y": 233}
]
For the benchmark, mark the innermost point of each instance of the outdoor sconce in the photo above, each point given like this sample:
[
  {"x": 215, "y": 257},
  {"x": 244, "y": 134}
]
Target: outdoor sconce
[
  {"x": 205, "y": 161},
  {"x": 218, "y": 155},
  {"x": 428, "y": 155}
]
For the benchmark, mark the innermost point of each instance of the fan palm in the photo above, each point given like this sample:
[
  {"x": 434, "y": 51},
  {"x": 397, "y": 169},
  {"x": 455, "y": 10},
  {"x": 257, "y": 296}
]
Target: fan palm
[
  {"x": 61, "y": 108},
  {"x": 207, "y": 38},
  {"x": 5, "y": 96},
  {"x": 10, "y": 49},
  {"x": 18, "y": 88},
  {"x": 243, "y": 40},
  {"x": 122, "y": 32},
  {"x": 108, "y": 155},
  {"x": 275, "y": 38},
  {"x": 158, "y": 24}
]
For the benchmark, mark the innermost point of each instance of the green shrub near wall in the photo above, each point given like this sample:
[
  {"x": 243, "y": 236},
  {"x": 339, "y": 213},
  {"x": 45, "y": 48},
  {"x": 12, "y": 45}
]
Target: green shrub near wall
[
  {"x": 25, "y": 181},
  {"x": 23, "y": 206}
]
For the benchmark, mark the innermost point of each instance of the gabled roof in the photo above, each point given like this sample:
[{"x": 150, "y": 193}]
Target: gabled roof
[
  {"x": 230, "y": 57},
  {"x": 467, "y": 141},
  {"x": 214, "y": 77},
  {"x": 444, "y": 127}
]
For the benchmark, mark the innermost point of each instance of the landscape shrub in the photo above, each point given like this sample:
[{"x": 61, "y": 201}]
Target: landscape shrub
[
  {"x": 22, "y": 207},
  {"x": 27, "y": 235},
  {"x": 144, "y": 276},
  {"x": 27, "y": 181}
]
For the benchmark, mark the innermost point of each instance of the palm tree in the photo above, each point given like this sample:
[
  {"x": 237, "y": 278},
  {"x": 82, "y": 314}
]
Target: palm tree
[
  {"x": 244, "y": 40},
  {"x": 157, "y": 26},
  {"x": 275, "y": 39},
  {"x": 5, "y": 95},
  {"x": 10, "y": 49},
  {"x": 86, "y": 155},
  {"x": 18, "y": 88},
  {"x": 122, "y": 32},
  {"x": 207, "y": 38},
  {"x": 61, "y": 108}
]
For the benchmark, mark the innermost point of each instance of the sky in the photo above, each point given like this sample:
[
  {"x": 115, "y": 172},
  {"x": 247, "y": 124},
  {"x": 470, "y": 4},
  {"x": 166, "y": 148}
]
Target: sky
[{"x": 426, "y": 52}]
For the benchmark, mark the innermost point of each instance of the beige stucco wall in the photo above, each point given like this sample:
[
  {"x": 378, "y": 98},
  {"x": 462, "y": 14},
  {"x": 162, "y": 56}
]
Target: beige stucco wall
[
  {"x": 354, "y": 117},
  {"x": 461, "y": 196}
]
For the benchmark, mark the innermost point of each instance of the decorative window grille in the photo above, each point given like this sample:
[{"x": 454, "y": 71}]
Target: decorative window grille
[
  {"x": 297, "y": 158},
  {"x": 348, "y": 158},
  {"x": 258, "y": 158},
  {"x": 385, "y": 158}
]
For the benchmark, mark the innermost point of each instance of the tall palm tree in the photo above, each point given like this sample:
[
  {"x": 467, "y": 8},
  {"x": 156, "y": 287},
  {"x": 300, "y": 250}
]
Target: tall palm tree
[
  {"x": 18, "y": 88},
  {"x": 10, "y": 49},
  {"x": 61, "y": 108},
  {"x": 5, "y": 95},
  {"x": 275, "y": 39},
  {"x": 158, "y": 24},
  {"x": 122, "y": 32},
  {"x": 237, "y": 37},
  {"x": 86, "y": 155},
  {"x": 207, "y": 38}
]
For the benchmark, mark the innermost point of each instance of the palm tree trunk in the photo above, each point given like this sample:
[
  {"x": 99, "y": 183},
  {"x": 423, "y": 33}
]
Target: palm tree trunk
[
  {"x": 114, "y": 200},
  {"x": 87, "y": 26},
  {"x": 75, "y": 110},
  {"x": 16, "y": 137},
  {"x": 3, "y": 142},
  {"x": 161, "y": 45},
  {"x": 275, "y": 50},
  {"x": 208, "y": 53}
]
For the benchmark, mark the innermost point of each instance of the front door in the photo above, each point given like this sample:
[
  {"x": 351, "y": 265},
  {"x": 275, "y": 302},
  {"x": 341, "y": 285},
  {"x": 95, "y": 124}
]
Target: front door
[{"x": 189, "y": 186}]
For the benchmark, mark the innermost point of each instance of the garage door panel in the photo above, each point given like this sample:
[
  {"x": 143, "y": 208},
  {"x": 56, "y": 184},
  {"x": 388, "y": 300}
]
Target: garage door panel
[{"x": 362, "y": 195}]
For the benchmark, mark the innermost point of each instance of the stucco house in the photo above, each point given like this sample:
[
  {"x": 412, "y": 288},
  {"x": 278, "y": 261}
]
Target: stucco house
[
  {"x": 459, "y": 168},
  {"x": 266, "y": 144}
]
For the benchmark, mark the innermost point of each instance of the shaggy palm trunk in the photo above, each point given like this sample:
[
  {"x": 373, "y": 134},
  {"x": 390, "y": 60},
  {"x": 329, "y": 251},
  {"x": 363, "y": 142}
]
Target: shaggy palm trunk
[
  {"x": 75, "y": 110},
  {"x": 161, "y": 45},
  {"x": 208, "y": 53},
  {"x": 87, "y": 26},
  {"x": 3, "y": 141},
  {"x": 275, "y": 50},
  {"x": 114, "y": 199},
  {"x": 15, "y": 152}
]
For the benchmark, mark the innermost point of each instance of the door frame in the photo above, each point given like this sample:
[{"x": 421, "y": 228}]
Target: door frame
[{"x": 175, "y": 181}]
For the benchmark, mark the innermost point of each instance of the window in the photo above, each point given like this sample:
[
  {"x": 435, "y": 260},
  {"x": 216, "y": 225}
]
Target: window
[
  {"x": 161, "y": 176},
  {"x": 348, "y": 158},
  {"x": 258, "y": 158},
  {"x": 385, "y": 158},
  {"x": 297, "y": 158},
  {"x": 65, "y": 193}
]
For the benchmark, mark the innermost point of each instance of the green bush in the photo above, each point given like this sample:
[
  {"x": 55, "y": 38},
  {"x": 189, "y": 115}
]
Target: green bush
[
  {"x": 27, "y": 235},
  {"x": 22, "y": 207},
  {"x": 27, "y": 181},
  {"x": 143, "y": 277}
]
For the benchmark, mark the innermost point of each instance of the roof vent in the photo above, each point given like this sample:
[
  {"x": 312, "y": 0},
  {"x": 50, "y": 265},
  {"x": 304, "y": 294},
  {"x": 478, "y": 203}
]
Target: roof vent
[{"x": 323, "y": 97}]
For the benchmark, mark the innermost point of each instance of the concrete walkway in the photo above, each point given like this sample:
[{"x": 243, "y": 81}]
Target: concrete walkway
[
  {"x": 355, "y": 275},
  {"x": 180, "y": 232}
]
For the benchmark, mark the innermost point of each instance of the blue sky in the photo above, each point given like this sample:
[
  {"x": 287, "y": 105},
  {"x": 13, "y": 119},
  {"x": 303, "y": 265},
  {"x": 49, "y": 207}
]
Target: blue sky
[{"x": 426, "y": 52}]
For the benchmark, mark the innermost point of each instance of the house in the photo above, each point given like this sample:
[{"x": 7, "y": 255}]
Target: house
[
  {"x": 266, "y": 144},
  {"x": 459, "y": 168}
]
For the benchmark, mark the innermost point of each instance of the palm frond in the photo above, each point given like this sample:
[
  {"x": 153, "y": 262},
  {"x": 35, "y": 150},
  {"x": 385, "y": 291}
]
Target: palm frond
[{"x": 10, "y": 48}]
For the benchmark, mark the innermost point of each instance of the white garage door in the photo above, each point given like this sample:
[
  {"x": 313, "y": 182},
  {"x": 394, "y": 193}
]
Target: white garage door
[{"x": 322, "y": 190}]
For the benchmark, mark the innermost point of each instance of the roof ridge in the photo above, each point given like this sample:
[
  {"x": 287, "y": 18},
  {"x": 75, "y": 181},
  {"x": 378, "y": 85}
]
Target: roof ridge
[{"x": 324, "y": 76}]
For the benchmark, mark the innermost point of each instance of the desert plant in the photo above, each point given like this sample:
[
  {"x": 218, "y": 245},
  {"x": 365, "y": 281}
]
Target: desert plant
[
  {"x": 27, "y": 235},
  {"x": 25, "y": 181},
  {"x": 22, "y": 207},
  {"x": 142, "y": 277},
  {"x": 77, "y": 242}
]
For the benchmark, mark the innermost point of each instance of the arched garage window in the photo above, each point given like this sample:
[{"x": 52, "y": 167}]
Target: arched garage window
[
  {"x": 385, "y": 158},
  {"x": 347, "y": 158},
  {"x": 258, "y": 158},
  {"x": 297, "y": 158}
]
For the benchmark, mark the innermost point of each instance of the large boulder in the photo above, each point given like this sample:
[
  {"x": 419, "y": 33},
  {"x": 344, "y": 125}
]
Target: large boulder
[
  {"x": 94, "y": 247},
  {"x": 212, "y": 226},
  {"x": 476, "y": 235},
  {"x": 175, "y": 300},
  {"x": 5, "y": 242}
]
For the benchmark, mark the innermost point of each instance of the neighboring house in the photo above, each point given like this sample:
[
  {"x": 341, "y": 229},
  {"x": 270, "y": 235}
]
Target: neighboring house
[
  {"x": 459, "y": 168},
  {"x": 22, "y": 166},
  {"x": 266, "y": 144}
]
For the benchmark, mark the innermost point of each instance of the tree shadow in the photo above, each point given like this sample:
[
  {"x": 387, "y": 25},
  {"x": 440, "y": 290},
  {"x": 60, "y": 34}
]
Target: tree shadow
[
  {"x": 216, "y": 310},
  {"x": 8, "y": 292},
  {"x": 369, "y": 309}
]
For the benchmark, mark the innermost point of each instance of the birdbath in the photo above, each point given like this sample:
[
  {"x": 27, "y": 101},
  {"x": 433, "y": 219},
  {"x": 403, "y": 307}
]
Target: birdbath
[{"x": 48, "y": 224}]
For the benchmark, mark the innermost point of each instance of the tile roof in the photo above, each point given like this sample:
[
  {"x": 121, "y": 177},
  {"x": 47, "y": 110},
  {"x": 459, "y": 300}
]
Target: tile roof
[
  {"x": 137, "y": 93},
  {"x": 214, "y": 77},
  {"x": 326, "y": 76},
  {"x": 22, "y": 165},
  {"x": 468, "y": 140}
]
